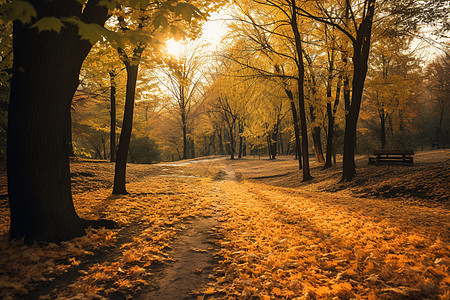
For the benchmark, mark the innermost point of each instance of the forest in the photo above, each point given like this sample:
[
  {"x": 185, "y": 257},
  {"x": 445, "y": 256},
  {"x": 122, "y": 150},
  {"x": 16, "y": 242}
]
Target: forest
[{"x": 219, "y": 149}]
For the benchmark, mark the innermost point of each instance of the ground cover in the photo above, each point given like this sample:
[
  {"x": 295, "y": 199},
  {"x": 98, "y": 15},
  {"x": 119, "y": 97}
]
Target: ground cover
[{"x": 246, "y": 229}]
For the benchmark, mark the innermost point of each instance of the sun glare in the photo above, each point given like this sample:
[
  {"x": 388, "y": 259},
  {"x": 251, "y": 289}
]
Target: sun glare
[{"x": 173, "y": 47}]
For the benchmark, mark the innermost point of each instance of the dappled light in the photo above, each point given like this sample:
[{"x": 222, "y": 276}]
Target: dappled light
[{"x": 173, "y": 47}]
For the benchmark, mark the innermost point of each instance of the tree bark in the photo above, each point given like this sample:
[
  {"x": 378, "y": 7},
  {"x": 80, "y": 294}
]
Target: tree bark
[
  {"x": 382, "y": 115},
  {"x": 232, "y": 141},
  {"x": 185, "y": 139},
  {"x": 125, "y": 135},
  {"x": 329, "y": 152},
  {"x": 316, "y": 136},
  {"x": 112, "y": 136},
  {"x": 220, "y": 138},
  {"x": 298, "y": 154},
  {"x": 45, "y": 77},
  {"x": 241, "y": 140},
  {"x": 361, "y": 48},
  {"x": 301, "y": 97},
  {"x": 331, "y": 118}
]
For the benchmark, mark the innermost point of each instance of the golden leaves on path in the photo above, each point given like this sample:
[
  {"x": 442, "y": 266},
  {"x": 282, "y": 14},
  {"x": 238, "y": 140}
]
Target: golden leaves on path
[
  {"x": 276, "y": 243},
  {"x": 283, "y": 245},
  {"x": 107, "y": 262}
]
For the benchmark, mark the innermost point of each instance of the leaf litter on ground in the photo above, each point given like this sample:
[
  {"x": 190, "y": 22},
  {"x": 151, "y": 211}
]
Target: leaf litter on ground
[{"x": 274, "y": 242}]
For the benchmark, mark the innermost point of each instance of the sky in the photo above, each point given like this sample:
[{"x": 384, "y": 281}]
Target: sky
[{"x": 213, "y": 32}]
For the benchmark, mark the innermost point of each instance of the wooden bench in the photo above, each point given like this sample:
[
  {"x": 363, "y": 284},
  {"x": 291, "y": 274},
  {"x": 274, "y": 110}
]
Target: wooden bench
[{"x": 391, "y": 156}]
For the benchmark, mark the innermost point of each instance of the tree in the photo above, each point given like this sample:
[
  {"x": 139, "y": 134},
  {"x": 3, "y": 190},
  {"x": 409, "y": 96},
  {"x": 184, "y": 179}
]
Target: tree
[
  {"x": 331, "y": 46},
  {"x": 355, "y": 19},
  {"x": 45, "y": 77},
  {"x": 47, "y": 60},
  {"x": 153, "y": 23},
  {"x": 284, "y": 25},
  {"x": 101, "y": 87},
  {"x": 183, "y": 81},
  {"x": 391, "y": 87},
  {"x": 314, "y": 111},
  {"x": 229, "y": 97},
  {"x": 6, "y": 59},
  {"x": 438, "y": 75}
]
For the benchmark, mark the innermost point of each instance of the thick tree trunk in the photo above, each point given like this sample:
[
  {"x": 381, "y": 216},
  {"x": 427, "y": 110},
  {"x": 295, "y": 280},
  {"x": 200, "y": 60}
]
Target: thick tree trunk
[
  {"x": 351, "y": 120},
  {"x": 45, "y": 76},
  {"x": 361, "y": 48},
  {"x": 192, "y": 148},
  {"x": 125, "y": 134},
  {"x": 112, "y": 136}
]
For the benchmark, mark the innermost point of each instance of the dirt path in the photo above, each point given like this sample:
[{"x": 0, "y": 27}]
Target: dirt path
[
  {"x": 192, "y": 254},
  {"x": 193, "y": 261}
]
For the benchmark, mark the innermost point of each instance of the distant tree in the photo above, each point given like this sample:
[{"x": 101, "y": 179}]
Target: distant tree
[
  {"x": 229, "y": 97},
  {"x": 391, "y": 87},
  {"x": 438, "y": 81},
  {"x": 183, "y": 80},
  {"x": 103, "y": 81}
]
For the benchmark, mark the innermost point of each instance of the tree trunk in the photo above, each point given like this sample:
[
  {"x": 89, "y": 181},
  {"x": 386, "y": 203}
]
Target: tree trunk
[
  {"x": 280, "y": 144},
  {"x": 220, "y": 138},
  {"x": 317, "y": 141},
  {"x": 331, "y": 118},
  {"x": 125, "y": 134},
  {"x": 112, "y": 136},
  {"x": 45, "y": 76},
  {"x": 298, "y": 154},
  {"x": 383, "y": 128},
  {"x": 192, "y": 148},
  {"x": 241, "y": 139},
  {"x": 241, "y": 144},
  {"x": 232, "y": 142},
  {"x": 304, "y": 131},
  {"x": 361, "y": 48},
  {"x": 301, "y": 97},
  {"x": 273, "y": 142},
  {"x": 185, "y": 139}
]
